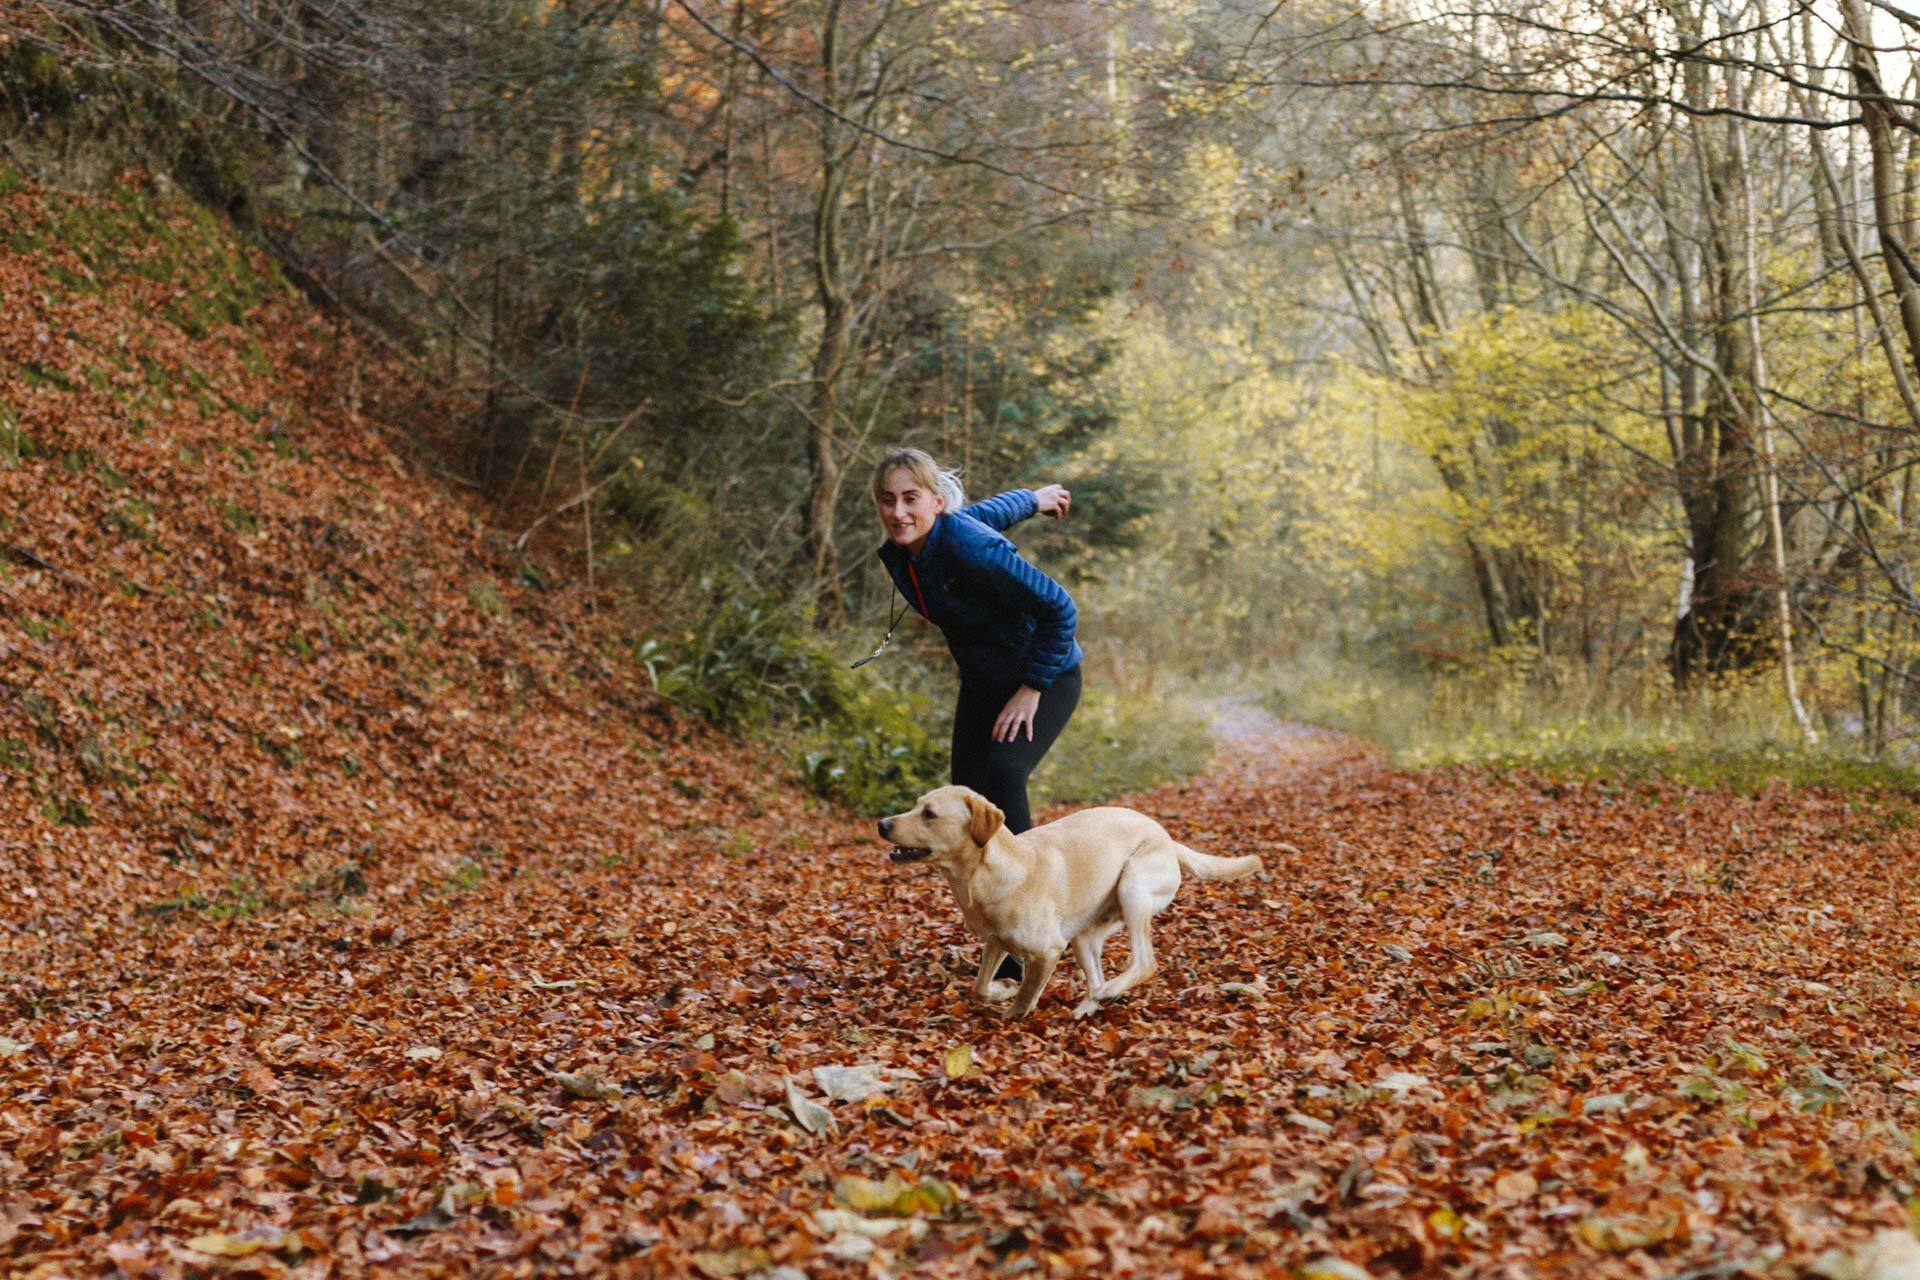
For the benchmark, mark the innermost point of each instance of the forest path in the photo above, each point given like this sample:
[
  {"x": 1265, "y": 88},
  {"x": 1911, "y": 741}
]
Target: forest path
[{"x": 1461, "y": 1024}]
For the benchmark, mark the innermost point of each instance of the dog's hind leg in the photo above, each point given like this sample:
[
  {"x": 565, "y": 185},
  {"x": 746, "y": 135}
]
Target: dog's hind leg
[
  {"x": 1086, "y": 950},
  {"x": 1032, "y": 982},
  {"x": 1146, "y": 887},
  {"x": 984, "y": 986}
]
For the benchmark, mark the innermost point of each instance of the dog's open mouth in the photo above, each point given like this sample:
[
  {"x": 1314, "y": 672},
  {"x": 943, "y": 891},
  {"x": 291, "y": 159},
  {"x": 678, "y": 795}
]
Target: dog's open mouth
[{"x": 905, "y": 853}]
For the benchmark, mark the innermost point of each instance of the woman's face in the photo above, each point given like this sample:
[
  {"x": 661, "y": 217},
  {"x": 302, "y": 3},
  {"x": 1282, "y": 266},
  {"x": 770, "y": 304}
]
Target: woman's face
[{"x": 907, "y": 509}]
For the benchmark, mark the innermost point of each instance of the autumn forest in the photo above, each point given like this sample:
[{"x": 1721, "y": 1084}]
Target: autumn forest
[{"x": 437, "y": 544}]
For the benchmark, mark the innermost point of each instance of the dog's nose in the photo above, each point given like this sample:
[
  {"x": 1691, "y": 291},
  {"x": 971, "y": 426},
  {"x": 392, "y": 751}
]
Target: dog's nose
[{"x": 885, "y": 825}]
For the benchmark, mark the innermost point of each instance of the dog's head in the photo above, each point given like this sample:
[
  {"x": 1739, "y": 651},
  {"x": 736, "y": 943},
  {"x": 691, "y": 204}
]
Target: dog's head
[{"x": 944, "y": 825}]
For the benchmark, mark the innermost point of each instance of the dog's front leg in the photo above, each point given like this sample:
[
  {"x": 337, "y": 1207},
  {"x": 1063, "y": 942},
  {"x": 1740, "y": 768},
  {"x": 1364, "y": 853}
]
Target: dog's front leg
[
  {"x": 1033, "y": 980},
  {"x": 984, "y": 986}
]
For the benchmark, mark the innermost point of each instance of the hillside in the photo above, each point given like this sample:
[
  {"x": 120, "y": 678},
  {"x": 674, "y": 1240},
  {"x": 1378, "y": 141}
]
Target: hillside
[{"x": 251, "y": 652}]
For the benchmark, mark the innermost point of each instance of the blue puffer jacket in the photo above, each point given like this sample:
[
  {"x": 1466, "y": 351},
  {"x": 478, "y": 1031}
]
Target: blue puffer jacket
[{"x": 1006, "y": 622}]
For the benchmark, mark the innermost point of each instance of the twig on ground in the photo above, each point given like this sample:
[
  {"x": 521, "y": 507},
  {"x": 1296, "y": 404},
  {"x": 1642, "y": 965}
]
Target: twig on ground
[{"x": 25, "y": 556}]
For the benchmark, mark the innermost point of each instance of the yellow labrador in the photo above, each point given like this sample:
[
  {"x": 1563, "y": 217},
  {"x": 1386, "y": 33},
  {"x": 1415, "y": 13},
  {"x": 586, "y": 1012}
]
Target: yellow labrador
[{"x": 1077, "y": 880}]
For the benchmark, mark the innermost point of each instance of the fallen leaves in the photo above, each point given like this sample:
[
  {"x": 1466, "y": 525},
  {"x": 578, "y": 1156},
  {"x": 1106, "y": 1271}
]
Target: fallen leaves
[
  {"x": 1620, "y": 1235},
  {"x": 809, "y": 1114},
  {"x": 425, "y": 942},
  {"x": 220, "y": 1245},
  {"x": 860, "y": 1082},
  {"x": 897, "y": 1196}
]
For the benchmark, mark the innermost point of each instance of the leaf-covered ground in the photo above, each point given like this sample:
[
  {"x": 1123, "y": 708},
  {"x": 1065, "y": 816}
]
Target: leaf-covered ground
[{"x": 359, "y": 910}]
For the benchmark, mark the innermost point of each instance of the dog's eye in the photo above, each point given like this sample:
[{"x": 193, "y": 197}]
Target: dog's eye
[{"x": 927, "y": 812}]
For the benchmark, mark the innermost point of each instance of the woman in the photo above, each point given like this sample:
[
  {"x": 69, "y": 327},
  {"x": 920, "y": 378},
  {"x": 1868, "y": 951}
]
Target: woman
[{"x": 1008, "y": 625}]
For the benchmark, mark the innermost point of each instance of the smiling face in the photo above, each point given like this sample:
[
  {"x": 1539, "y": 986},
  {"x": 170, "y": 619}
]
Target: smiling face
[
  {"x": 907, "y": 508},
  {"x": 943, "y": 825}
]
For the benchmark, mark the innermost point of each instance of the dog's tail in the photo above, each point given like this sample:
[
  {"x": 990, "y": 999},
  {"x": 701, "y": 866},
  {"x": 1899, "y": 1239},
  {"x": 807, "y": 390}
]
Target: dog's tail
[{"x": 1205, "y": 866}]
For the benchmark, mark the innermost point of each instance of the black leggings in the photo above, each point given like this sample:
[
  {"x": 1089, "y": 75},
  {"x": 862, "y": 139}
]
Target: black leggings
[{"x": 999, "y": 770}]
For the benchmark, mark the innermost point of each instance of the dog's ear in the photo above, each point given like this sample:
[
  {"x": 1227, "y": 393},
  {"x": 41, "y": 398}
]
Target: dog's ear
[{"x": 987, "y": 818}]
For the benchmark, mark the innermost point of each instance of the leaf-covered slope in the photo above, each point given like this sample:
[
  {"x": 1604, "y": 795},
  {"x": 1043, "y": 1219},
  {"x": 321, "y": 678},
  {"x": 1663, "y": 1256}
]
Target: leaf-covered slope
[{"x": 246, "y": 653}]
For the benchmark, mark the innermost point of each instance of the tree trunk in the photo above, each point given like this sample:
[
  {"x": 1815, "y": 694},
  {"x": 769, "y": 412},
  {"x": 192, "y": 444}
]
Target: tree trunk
[
  {"x": 1877, "y": 116},
  {"x": 1716, "y": 633},
  {"x": 836, "y": 331},
  {"x": 1770, "y": 470}
]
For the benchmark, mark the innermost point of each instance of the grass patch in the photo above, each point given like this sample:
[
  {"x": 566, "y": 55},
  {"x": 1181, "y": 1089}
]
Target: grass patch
[
  {"x": 65, "y": 811},
  {"x": 1119, "y": 742},
  {"x": 485, "y": 596},
  {"x": 1749, "y": 770},
  {"x": 344, "y": 880},
  {"x": 238, "y": 518},
  {"x": 239, "y": 899},
  {"x": 15, "y": 443},
  {"x": 1733, "y": 736}
]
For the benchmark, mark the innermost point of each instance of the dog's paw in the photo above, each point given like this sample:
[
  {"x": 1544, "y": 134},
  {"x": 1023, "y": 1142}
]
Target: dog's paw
[
  {"x": 1001, "y": 989},
  {"x": 1086, "y": 1008}
]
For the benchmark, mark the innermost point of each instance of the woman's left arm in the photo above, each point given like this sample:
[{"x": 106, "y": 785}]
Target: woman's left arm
[
  {"x": 1004, "y": 510},
  {"x": 1034, "y": 593}
]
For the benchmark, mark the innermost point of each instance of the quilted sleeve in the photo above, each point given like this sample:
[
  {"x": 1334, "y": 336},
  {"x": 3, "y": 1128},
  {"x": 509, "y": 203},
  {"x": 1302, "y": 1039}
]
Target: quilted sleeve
[
  {"x": 1047, "y": 601},
  {"x": 1004, "y": 510}
]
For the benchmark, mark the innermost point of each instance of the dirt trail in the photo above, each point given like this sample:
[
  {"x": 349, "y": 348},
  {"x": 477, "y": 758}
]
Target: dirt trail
[{"x": 1253, "y": 749}]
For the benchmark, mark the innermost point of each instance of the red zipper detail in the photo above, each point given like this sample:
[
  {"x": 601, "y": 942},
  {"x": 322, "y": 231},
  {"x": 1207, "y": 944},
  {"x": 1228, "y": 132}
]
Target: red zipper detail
[{"x": 916, "y": 592}]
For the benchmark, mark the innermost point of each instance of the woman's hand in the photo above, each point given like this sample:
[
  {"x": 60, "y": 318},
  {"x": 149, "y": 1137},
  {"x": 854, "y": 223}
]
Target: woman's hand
[
  {"x": 1017, "y": 714},
  {"x": 1053, "y": 500}
]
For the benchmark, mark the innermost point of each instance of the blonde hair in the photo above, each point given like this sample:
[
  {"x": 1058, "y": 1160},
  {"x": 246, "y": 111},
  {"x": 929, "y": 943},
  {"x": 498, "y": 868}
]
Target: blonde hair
[{"x": 929, "y": 474}]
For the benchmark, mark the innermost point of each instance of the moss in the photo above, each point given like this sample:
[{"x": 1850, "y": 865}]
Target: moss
[
  {"x": 40, "y": 375},
  {"x": 15, "y": 443},
  {"x": 134, "y": 234},
  {"x": 238, "y": 518},
  {"x": 43, "y": 84},
  {"x": 65, "y": 811},
  {"x": 238, "y": 899},
  {"x": 134, "y": 519},
  {"x": 69, "y": 280},
  {"x": 485, "y": 597},
  {"x": 253, "y": 357}
]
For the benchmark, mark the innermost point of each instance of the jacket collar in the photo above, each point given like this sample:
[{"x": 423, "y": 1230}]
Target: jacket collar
[{"x": 936, "y": 537}]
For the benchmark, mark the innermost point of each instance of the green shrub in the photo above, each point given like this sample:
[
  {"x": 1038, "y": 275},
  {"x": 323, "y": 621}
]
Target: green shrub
[
  {"x": 879, "y": 753},
  {"x": 752, "y": 664},
  {"x": 756, "y": 665}
]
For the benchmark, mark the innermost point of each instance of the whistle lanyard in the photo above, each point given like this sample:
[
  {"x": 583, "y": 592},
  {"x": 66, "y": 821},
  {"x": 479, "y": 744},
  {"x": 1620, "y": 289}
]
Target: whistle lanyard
[{"x": 893, "y": 623}]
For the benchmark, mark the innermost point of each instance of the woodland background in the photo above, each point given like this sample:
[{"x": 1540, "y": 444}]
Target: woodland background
[
  {"x": 435, "y": 808},
  {"x": 1503, "y": 377}
]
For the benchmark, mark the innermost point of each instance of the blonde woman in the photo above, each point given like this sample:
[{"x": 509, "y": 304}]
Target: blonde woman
[{"x": 1008, "y": 625}]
